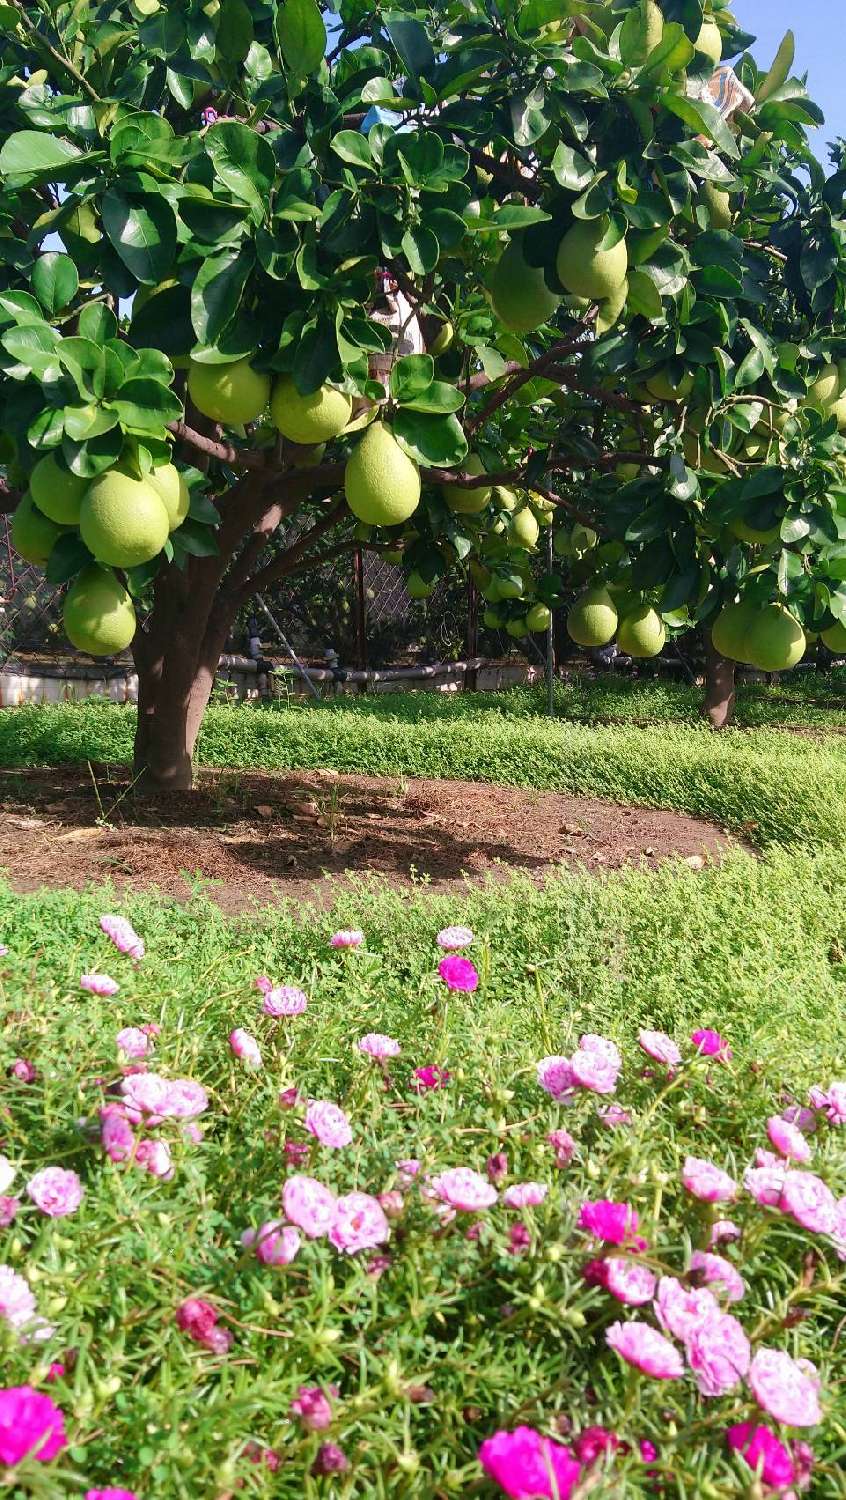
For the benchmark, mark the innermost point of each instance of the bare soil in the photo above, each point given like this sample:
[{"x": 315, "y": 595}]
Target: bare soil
[{"x": 260, "y": 836}]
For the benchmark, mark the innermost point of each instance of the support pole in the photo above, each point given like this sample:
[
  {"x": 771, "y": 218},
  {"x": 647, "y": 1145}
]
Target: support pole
[
  {"x": 471, "y": 676},
  {"x": 550, "y": 638},
  {"x": 360, "y": 615},
  {"x": 289, "y": 648}
]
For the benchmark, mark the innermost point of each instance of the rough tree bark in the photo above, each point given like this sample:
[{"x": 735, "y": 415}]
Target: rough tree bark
[{"x": 719, "y": 688}]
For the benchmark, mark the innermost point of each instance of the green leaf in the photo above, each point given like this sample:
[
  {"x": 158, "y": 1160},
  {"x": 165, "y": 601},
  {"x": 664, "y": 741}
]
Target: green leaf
[
  {"x": 435, "y": 440},
  {"x": 644, "y": 296},
  {"x": 68, "y": 557},
  {"x": 19, "y": 307},
  {"x": 33, "y": 154},
  {"x": 34, "y": 348},
  {"x": 780, "y": 69},
  {"x": 317, "y": 356},
  {"x": 421, "y": 249},
  {"x": 411, "y": 376},
  {"x": 143, "y": 233},
  {"x": 217, "y": 292},
  {"x": 352, "y": 147},
  {"x": 194, "y": 538},
  {"x": 95, "y": 456},
  {"x": 55, "y": 281},
  {"x": 145, "y": 405},
  {"x": 82, "y": 422},
  {"x": 422, "y": 155},
  {"x": 244, "y": 162},
  {"x": 202, "y": 510},
  {"x": 674, "y": 51},
  {"x": 234, "y": 30},
  {"x": 411, "y": 43},
  {"x": 704, "y": 118},
  {"x": 509, "y": 216},
  {"x": 572, "y": 170},
  {"x": 301, "y": 36},
  {"x": 211, "y": 220},
  {"x": 97, "y": 322},
  {"x": 440, "y": 396},
  {"x": 47, "y": 429}
]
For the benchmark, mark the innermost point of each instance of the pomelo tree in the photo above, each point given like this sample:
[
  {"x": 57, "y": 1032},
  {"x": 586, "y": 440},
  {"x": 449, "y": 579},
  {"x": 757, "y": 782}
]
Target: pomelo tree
[{"x": 621, "y": 285}]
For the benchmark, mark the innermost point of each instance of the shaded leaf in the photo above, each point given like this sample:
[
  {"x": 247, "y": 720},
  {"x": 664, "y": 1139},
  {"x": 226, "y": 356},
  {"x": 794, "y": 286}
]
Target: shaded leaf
[
  {"x": 55, "y": 281},
  {"x": 143, "y": 233}
]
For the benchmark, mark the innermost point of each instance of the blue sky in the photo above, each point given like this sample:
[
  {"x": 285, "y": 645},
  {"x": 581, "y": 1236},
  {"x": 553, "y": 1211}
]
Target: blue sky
[{"x": 819, "y": 51}]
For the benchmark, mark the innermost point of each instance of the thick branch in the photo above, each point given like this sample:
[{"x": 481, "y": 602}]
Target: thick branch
[
  {"x": 9, "y": 498},
  {"x": 501, "y": 172},
  {"x": 520, "y": 375},
  {"x": 286, "y": 563},
  {"x": 235, "y": 458}
]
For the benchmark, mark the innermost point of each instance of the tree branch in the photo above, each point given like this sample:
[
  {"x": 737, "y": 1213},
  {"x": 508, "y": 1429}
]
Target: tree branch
[
  {"x": 286, "y": 562},
  {"x": 40, "y": 43},
  {"x": 9, "y": 498},
  {"x": 235, "y": 458},
  {"x": 518, "y": 376},
  {"x": 528, "y": 186}
]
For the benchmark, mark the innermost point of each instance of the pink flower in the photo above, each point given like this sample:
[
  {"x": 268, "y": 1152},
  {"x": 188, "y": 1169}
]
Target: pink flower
[
  {"x": 296, "y": 1152},
  {"x": 309, "y": 1205},
  {"x": 596, "y": 1064},
  {"x": 359, "y": 1224},
  {"x": 628, "y": 1280},
  {"x": 289, "y": 1098},
  {"x": 718, "y": 1353},
  {"x": 23, "y": 1070},
  {"x": 408, "y": 1168},
  {"x": 451, "y": 938},
  {"x": 563, "y": 1145},
  {"x": 681, "y": 1311},
  {"x": 496, "y": 1167},
  {"x": 519, "y": 1238},
  {"x": 556, "y": 1077},
  {"x": 31, "y": 1426},
  {"x": 465, "y": 1189},
  {"x": 615, "y": 1223},
  {"x": 263, "y": 984},
  {"x": 613, "y": 1116},
  {"x": 350, "y": 938},
  {"x": 763, "y": 1452},
  {"x": 645, "y": 1348},
  {"x": 525, "y": 1194},
  {"x": 7, "y": 1173},
  {"x": 123, "y": 935},
  {"x": 458, "y": 974},
  {"x": 660, "y": 1046},
  {"x": 705, "y": 1181},
  {"x": 110, "y": 1494},
  {"x": 376, "y": 1044},
  {"x": 313, "y": 1407},
  {"x": 17, "y": 1302},
  {"x": 593, "y": 1443},
  {"x": 788, "y": 1139},
  {"x": 133, "y": 1042},
  {"x": 276, "y": 1244},
  {"x": 245, "y": 1047},
  {"x": 99, "y": 984},
  {"x": 716, "y": 1271},
  {"x": 116, "y": 1134},
  {"x": 328, "y": 1123},
  {"x": 711, "y": 1044},
  {"x": 185, "y": 1099},
  {"x": 330, "y": 1460},
  {"x": 430, "y": 1077},
  {"x": 648, "y": 1451},
  {"x": 832, "y": 1100},
  {"x": 287, "y": 1000},
  {"x": 787, "y": 1389},
  {"x": 526, "y": 1465},
  {"x": 155, "y": 1156},
  {"x": 8, "y": 1210},
  {"x": 804, "y": 1119},
  {"x": 199, "y": 1319},
  {"x": 392, "y": 1203},
  {"x": 56, "y": 1191},
  {"x": 807, "y": 1199},
  {"x": 723, "y": 1230},
  {"x": 55, "y": 1372},
  {"x": 765, "y": 1184}
]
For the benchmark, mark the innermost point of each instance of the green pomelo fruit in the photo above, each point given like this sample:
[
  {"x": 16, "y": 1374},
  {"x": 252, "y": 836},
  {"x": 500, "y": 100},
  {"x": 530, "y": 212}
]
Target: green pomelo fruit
[
  {"x": 305, "y": 458},
  {"x": 443, "y": 340},
  {"x": 520, "y": 296},
  {"x": 33, "y": 535},
  {"x": 518, "y": 628},
  {"x": 490, "y": 591},
  {"x": 584, "y": 268},
  {"x": 756, "y": 446},
  {"x": 511, "y": 586},
  {"x": 309, "y": 419},
  {"x": 232, "y": 394},
  {"x": 124, "y": 521},
  {"x": 731, "y": 628},
  {"x": 593, "y": 619},
  {"x": 583, "y": 538},
  {"x": 562, "y": 545},
  {"x": 467, "y": 502},
  {"x": 56, "y": 491},
  {"x": 173, "y": 492},
  {"x": 825, "y": 389},
  {"x": 838, "y": 411},
  {"x": 710, "y": 41},
  {"x": 835, "y": 638},
  {"x": 775, "y": 640},
  {"x": 744, "y": 533},
  {"x": 718, "y": 205},
  {"x": 611, "y": 307},
  {"x": 664, "y": 388},
  {"x": 98, "y": 614},
  {"x": 492, "y": 619},
  {"x": 524, "y": 528},
  {"x": 381, "y": 483},
  {"x": 417, "y": 587},
  {"x": 506, "y": 499},
  {"x": 642, "y": 633},
  {"x": 538, "y": 617}
]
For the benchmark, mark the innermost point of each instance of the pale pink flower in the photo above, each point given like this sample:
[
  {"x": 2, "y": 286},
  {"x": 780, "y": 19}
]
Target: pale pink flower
[
  {"x": 615, "y": 1223},
  {"x": 123, "y": 935},
  {"x": 185, "y": 1099},
  {"x": 8, "y": 1173},
  {"x": 408, "y": 1168},
  {"x": 392, "y": 1203},
  {"x": 313, "y": 1407},
  {"x": 350, "y": 937},
  {"x": 22, "y": 1069},
  {"x": 116, "y": 1133},
  {"x": 723, "y": 1230},
  {"x": 765, "y": 1184},
  {"x": 155, "y": 1157},
  {"x": 764, "y": 1453},
  {"x": 57, "y": 1191},
  {"x": 788, "y": 1139},
  {"x": 660, "y": 1046},
  {"x": 17, "y": 1300},
  {"x": 556, "y": 1077},
  {"x": 525, "y": 1465},
  {"x": 804, "y": 1119},
  {"x": 376, "y": 1044},
  {"x": 133, "y": 1042},
  {"x": 359, "y": 1224},
  {"x": 309, "y": 1205},
  {"x": 525, "y": 1194},
  {"x": 276, "y": 1244},
  {"x": 788, "y": 1389},
  {"x": 596, "y": 1064},
  {"x": 286, "y": 1000},
  {"x": 193, "y": 1133},
  {"x": 716, "y": 1271},
  {"x": 718, "y": 1353},
  {"x": 838, "y": 1233},
  {"x": 832, "y": 1100},
  {"x": 8, "y": 1211},
  {"x": 98, "y": 984},
  {"x": 563, "y": 1145},
  {"x": 458, "y": 974},
  {"x": 31, "y": 1426},
  {"x": 705, "y": 1181},
  {"x": 710, "y": 1044},
  {"x": 263, "y": 984},
  {"x": 452, "y": 938},
  {"x": 628, "y": 1280},
  {"x": 641, "y": 1345},
  {"x": 809, "y": 1201},
  {"x": 681, "y": 1311},
  {"x": 614, "y": 1116},
  {"x": 465, "y": 1189},
  {"x": 3, "y": 950},
  {"x": 245, "y": 1047},
  {"x": 602, "y": 1046},
  {"x": 328, "y": 1123}
]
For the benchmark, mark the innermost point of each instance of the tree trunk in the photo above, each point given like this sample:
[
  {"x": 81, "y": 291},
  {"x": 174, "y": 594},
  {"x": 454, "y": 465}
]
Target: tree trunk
[{"x": 719, "y": 688}]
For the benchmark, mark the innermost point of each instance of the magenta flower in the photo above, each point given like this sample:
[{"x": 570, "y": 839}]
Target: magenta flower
[
  {"x": 526, "y": 1465},
  {"x": 276, "y": 1244},
  {"x": 615, "y": 1223},
  {"x": 330, "y": 1460},
  {"x": 309, "y": 1205},
  {"x": 556, "y": 1077},
  {"x": 31, "y": 1426},
  {"x": 458, "y": 974},
  {"x": 452, "y": 938},
  {"x": 430, "y": 1077},
  {"x": 328, "y": 1123},
  {"x": 809, "y": 1201},
  {"x": 199, "y": 1320},
  {"x": 111, "y": 1494},
  {"x": 313, "y": 1407},
  {"x": 57, "y": 1191},
  {"x": 263, "y": 984},
  {"x": 296, "y": 1152},
  {"x": 716, "y": 1271},
  {"x": 155, "y": 1157},
  {"x": 23, "y": 1070},
  {"x": 763, "y": 1452},
  {"x": 351, "y": 937},
  {"x": 711, "y": 1044},
  {"x": 660, "y": 1046},
  {"x": 116, "y": 1134},
  {"x": 788, "y": 1139},
  {"x": 245, "y": 1047},
  {"x": 525, "y": 1194},
  {"x": 594, "y": 1443},
  {"x": 123, "y": 935},
  {"x": 133, "y": 1042},
  {"x": 787, "y": 1389},
  {"x": 832, "y": 1100},
  {"x": 98, "y": 984},
  {"x": 496, "y": 1167},
  {"x": 376, "y": 1044},
  {"x": 408, "y": 1169},
  {"x": 628, "y": 1280},
  {"x": 705, "y": 1181},
  {"x": 681, "y": 1311},
  {"x": 804, "y": 1119},
  {"x": 464, "y": 1189},
  {"x": 286, "y": 1000},
  {"x": 641, "y": 1345},
  {"x": 563, "y": 1145},
  {"x": 359, "y": 1224}
]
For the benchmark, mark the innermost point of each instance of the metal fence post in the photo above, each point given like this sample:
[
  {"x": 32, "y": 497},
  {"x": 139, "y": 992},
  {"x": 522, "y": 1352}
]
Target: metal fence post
[
  {"x": 471, "y": 644},
  {"x": 360, "y": 615},
  {"x": 550, "y": 638}
]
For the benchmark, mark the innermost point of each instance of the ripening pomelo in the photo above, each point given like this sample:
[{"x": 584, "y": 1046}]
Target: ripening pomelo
[
  {"x": 664, "y": 388},
  {"x": 835, "y": 638},
  {"x": 752, "y": 534},
  {"x": 381, "y": 483},
  {"x": 56, "y": 491},
  {"x": 641, "y": 633},
  {"x": 33, "y": 535},
  {"x": 525, "y": 528},
  {"x": 517, "y": 628},
  {"x": 309, "y": 419},
  {"x": 825, "y": 389},
  {"x": 506, "y": 499},
  {"x": 710, "y": 40},
  {"x": 538, "y": 617},
  {"x": 467, "y": 502},
  {"x": 775, "y": 640},
  {"x": 232, "y": 394},
  {"x": 417, "y": 587},
  {"x": 592, "y": 621},
  {"x": 520, "y": 296},
  {"x": 586, "y": 269},
  {"x": 718, "y": 205},
  {"x": 123, "y": 521},
  {"x": 730, "y": 629},
  {"x": 98, "y": 613},
  {"x": 173, "y": 492}
]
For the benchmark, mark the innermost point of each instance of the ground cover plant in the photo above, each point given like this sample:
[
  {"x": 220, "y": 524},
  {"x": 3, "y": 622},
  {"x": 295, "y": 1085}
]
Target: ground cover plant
[{"x": 207, "y": 1321}]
